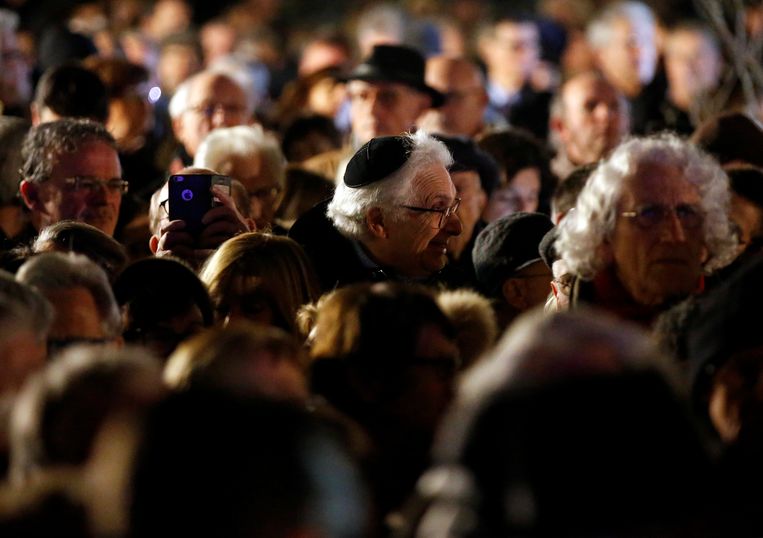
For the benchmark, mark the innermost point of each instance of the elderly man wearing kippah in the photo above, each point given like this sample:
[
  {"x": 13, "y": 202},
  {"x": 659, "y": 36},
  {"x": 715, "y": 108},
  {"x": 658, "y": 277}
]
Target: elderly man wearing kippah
[{"x": 391, "y": 218}]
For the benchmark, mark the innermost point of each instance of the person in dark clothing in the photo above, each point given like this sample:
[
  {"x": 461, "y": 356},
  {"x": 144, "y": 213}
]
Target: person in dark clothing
[
  {"x": 475, "y": 175},
  {"x": 391, "y": 218}
]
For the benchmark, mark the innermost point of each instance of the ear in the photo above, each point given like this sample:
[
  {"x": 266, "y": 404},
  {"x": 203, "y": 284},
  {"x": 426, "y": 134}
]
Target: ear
[
  {"x": 34, "y": 114},
  {"x": 556, "y": 125},
  {"x": 153, "y": 244},
  {"x": 482, "y": 200},
  {"x": 375, "y": 223},
  {"x": 514, "y": 293},
  {"x": 30, "y": 194},
  {"x": 604, "y": 252}
]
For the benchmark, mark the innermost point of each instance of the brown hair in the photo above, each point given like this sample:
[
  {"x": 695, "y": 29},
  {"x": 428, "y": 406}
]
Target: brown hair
[{"x": 274, "y": 265}]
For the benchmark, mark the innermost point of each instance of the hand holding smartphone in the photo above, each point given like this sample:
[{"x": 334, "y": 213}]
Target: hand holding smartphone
[{"x": 191, "y": 196}]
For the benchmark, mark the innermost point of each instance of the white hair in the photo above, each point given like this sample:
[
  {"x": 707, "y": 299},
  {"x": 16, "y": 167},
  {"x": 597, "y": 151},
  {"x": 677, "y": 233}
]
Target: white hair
[
  {"x": 242, "y": 141},
  {"x": 583, "y": 230},
  {"x": 599, "y": 31},
  {"x": 57, "y": 270},
  {"x": 348, "y": 208}
]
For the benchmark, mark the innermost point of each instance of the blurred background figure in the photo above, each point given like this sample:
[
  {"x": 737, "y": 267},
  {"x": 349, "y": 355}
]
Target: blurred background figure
[
  {"x": 639, "y": 459},
  {"x": 589, "y": 118},
  {"x": 242, "y": 358},
  {"x": 199, "y": 469},
  {"x": 510, "y": 48},
  {"x": 463, "y": 85},
  {"x": 694, "y": 67},
  {"x": 15, "y": 75},
  {"x": 526, "y": 180},
  {"x": 163, "y": 303},
  {"x": 13, "y": 219},
  {"x": 623, "y": 37},
  {"x": 385, "y": 356},
  {"x": 79, "y": 290},
  {"x": 69, "y": 90}
]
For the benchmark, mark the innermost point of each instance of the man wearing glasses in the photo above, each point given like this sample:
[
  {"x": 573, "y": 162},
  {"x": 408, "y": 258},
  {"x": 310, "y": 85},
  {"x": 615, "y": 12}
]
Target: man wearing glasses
[
  {"x": 391, "y": 218},
  {"x": 204, "y": 102},
  {"x": 649, "y": 224},
  {"x": 71, "y": 171}
]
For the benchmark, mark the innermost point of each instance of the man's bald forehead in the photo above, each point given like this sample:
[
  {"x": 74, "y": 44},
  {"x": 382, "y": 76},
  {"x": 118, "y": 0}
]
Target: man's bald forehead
[{"x": 463, "y": 67}]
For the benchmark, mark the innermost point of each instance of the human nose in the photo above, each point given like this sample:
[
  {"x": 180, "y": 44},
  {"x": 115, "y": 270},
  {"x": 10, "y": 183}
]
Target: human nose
[
  {"x": 603, "y": 112},
  {"x": 453, "y": 225},
  {"x": 218, "y": 116},
  {"x": 673, "y": 229}
]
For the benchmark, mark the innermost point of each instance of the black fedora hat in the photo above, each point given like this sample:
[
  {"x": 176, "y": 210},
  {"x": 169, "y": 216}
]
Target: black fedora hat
[{"x": 396, "y": 63}]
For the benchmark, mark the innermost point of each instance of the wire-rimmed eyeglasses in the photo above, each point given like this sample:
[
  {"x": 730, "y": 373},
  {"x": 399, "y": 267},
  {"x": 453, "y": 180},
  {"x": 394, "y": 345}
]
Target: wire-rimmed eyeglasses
[
  {"x": 648, "y": 216},
  {"x": 444, "y": 212}
]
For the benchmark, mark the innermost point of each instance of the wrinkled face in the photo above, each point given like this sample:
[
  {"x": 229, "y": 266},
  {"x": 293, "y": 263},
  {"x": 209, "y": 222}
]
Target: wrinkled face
[
  {"x": 594, "y": 120},
  {"x": 465, "y": 98},
  {"x": 214, "y": 101},
  {"x": 55, "y": 200},
  {"x": 414, "y": 246},
  {"x": 262, "y": 187},
  {"x": 630, "y": 57},
  {"x": 663, "y": 261},
  {"x": 383, "y": 108},
  {"x": 513, "y": 51},
  {"x": 692, "y": 63}
]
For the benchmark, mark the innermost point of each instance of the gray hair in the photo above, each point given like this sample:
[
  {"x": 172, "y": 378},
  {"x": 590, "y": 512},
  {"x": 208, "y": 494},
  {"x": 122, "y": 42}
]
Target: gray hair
[
  {"x": 348, "y": 208},
  {"x": 242, "y": 141},
  {"x": 22, "y": 307},
  {"x": 56, "y": 270},
  {"x": 46, "y": 142},
  {"x": 599, "y": 31},
  {"x": 583, "y": 231}
]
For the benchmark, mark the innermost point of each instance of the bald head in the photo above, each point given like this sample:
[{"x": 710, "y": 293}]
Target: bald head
[{"x": 462, "y": 83}]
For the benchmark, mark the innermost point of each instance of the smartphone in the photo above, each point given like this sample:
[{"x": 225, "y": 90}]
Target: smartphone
[{"x": 190, "y": 197}]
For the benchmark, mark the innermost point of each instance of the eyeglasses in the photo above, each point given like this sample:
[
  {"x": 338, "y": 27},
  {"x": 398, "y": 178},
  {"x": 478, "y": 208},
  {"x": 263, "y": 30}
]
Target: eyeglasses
[
  {"x": 209, "y": 110},
  {"x": 690, "y": 216},
  {"x": 91, "y": 184},
  {"x": 265, "y": 194},
  {"x": 445, "y": 212}
]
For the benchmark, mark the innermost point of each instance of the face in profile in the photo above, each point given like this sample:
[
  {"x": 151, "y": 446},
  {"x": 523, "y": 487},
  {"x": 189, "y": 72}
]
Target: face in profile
[{"x": 416, "y": 244}]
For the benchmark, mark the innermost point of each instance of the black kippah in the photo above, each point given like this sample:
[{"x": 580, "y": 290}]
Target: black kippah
[{"x": 377, "y": 159}]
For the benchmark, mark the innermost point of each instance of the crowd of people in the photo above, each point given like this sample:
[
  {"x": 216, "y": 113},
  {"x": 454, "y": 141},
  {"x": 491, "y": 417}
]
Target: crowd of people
[{"x": 396, "y": 269}]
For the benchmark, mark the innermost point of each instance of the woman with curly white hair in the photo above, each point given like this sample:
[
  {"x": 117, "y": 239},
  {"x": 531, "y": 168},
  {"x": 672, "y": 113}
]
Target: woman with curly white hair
[{"x": 649, "y": 224}]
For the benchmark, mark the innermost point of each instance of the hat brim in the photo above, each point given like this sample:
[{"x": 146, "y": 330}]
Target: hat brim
[{"x": 438, "y": 99}]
